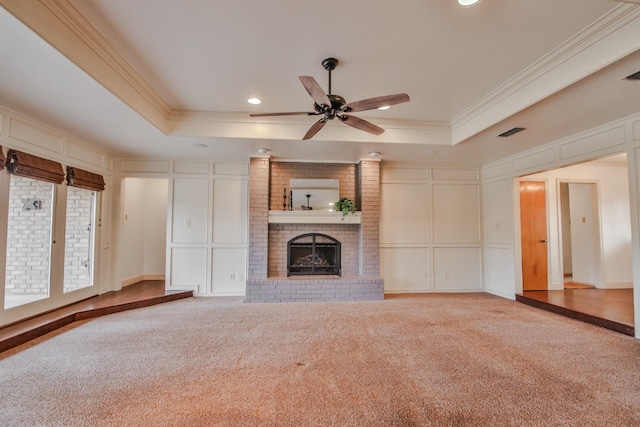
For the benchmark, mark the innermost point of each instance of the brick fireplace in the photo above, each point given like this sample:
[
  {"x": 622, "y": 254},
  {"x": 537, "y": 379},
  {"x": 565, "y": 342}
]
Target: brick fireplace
[{"x": 267, "y": 280}]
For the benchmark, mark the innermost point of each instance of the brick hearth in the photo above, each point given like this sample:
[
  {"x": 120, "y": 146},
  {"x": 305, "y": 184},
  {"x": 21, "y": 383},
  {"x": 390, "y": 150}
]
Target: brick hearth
[{"x": 360, "y": 280}]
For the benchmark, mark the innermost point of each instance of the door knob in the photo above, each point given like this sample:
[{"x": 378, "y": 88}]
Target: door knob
[{"x": 543, "y": 240}]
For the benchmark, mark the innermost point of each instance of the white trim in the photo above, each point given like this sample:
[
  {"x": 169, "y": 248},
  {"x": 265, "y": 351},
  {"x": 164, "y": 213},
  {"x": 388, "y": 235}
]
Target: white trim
[{"x": 311, "y": 217}]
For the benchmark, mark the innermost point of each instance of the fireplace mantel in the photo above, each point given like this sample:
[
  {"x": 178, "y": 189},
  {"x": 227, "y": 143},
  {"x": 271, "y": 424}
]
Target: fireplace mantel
[{"x": 311, "y": 217}]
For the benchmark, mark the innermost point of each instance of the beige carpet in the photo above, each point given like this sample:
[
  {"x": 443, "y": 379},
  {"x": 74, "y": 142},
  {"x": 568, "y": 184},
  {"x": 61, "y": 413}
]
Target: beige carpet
[{"x": 441, "y": 360}]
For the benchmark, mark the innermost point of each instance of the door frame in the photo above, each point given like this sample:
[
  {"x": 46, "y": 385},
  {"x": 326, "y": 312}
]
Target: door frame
[{"x": 600, "y": 282}]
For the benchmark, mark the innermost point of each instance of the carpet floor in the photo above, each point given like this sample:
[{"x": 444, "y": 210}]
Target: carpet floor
[{"x": 432, "y": 360}]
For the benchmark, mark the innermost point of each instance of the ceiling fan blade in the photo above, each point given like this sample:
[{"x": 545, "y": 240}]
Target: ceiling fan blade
[
  {"x": 377, "y": 102},
  {"x": 315, "y": 129},
  {"x": 314, "y": 89},
  {"x": 295, "y": 113},
  {"x": 361, "y": 124}
]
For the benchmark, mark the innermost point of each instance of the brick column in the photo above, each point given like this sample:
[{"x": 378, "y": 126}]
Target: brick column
[
  {"x": 369, "y": 177},
  {"x": 258, "y": 217}
]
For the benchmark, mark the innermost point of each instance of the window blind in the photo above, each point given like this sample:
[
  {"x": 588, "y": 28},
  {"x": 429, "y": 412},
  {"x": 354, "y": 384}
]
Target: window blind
[
  {"x": 84, "y": 179},
  {"x": 30, "y": 166}
]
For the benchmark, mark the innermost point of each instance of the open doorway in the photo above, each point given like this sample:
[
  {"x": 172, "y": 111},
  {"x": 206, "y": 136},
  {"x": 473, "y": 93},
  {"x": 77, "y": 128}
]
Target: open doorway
[
  {"x": 589, "y": 242},
  {"x": 144, "y": 230},
  {"x": 580, "y": 235}
]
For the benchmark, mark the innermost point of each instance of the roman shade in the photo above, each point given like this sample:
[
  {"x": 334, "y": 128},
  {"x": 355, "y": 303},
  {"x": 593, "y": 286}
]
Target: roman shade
[
  {"x": 30, "y": 166},
  {"x": 2, "y": 158},
  {"x": 84, "y": 179}
]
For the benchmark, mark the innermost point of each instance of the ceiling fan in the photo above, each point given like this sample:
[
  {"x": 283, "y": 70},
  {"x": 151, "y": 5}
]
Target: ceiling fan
[{"x": 331, "y": 106}]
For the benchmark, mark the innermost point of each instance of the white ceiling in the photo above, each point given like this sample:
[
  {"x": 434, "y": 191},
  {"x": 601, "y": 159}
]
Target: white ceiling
[{"x": 202, "y": 59}]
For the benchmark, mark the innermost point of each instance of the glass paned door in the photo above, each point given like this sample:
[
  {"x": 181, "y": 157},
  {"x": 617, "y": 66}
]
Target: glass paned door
[
  {"x": 27, "y": 276},
  {"x": 79, "y": 239}
]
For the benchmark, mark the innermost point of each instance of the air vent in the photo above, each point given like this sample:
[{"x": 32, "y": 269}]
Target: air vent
[
  {"x": 511, "y": 132},
  {"x": 634, "y": 76}
]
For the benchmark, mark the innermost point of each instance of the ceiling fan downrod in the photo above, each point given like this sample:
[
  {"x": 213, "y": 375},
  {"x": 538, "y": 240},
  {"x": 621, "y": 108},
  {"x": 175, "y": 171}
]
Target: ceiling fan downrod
[{"x": 329, "y": 64}]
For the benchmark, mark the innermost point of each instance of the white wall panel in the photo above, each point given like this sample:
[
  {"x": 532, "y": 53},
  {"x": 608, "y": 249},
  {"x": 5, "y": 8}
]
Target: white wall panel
[
  {"x": 537, "y": 160},
  {"x": 457, "y": 269},
  {"x": 190, "y": 210},
  {"x": 592, "y": 144},
  {"x": 189, "y": 268},
  {"x": 496, "y": 170},
  {"x": 499, "y": 268},
  {"x": 230, "y": 211},
  {"x": 456, "y": 213},
  {"x": 229, "y": 271},
  {"x": 191, "y": 167},
  {"x": 405, "y": 269},
  {"x": 35, "y": 135},
  {"x": 636, "y": 130},
  {"x": 85, "y": 154},
  {"x": 456, "y": 174},
  {"x": 144, "y": 166},
  {"x": 231, "y": 169},
  {"x": 403, "y": 173},
  {"x": 497, "y": 216},
  {"x": 404, "y": 213}
]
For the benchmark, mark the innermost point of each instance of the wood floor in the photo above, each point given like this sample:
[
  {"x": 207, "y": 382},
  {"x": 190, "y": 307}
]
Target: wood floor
[
  {"x": 608, "y": 308},
  {"x": 142, "y": 294}
]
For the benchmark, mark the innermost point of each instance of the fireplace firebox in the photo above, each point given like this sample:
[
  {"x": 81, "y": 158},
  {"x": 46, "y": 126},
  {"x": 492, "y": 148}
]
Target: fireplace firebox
[{"x": 313, "y": 254}]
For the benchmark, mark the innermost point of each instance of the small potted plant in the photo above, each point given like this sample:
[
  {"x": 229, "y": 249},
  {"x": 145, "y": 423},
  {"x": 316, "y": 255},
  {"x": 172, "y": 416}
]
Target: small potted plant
[{"x": 345, "y": 205}]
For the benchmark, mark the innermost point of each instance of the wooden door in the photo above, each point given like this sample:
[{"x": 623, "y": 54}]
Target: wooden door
[{"x": 533, "y": 224}]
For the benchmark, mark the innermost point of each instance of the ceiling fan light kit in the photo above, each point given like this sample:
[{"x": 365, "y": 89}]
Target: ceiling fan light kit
[{"x": 331, "y": 106}]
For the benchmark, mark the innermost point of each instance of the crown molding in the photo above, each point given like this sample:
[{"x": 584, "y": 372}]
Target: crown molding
[
  {"x": 240, "y": 125},
  {"x": 61, "y": 25},
  {"x": 606, "y": 40}
]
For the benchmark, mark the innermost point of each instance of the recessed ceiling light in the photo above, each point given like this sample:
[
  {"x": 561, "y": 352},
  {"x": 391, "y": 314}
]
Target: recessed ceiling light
[
  {"x": 468, "y": 3},
  {"x": 263, "y": 150},
  {"x": 431, "y": 151},
  {"x": 386, "y": 107},
  {"x": 200, "y": 145},
  {"x": 374, "y": 154},
  {"x": 254, "y": 101}
]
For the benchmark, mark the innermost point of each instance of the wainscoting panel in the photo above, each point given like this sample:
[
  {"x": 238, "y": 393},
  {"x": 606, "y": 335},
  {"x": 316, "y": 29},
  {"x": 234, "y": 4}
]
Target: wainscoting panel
[
  {"x": 190, "y": 210},
  {"x": 192, "y": 167},
  {"x": 499, "y": 268},
  {"x": 593, "y": 144},
  {"x": 230, "y": 210},
  {"x": 144, "y": 166},
  {"x": 456, "y": 174},
  {"x": 228, "y": 271},
  {"x": 404, "y": 213},
  {"x": 84, "y": 154},
  {"x": 456, "y": 213},
  {"x": 33, "y": 134},
  {"x": 497, "y": 215},
  {"x": 457, "y": 269},
  {"x": 189, "y": 269},
  {"x": 405, "y": 269}
]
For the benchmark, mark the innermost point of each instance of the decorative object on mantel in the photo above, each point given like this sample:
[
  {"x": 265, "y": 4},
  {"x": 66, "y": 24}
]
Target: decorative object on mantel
[
  {"x": 284, "y": 200},
  {"x": 345, "y": 205}
]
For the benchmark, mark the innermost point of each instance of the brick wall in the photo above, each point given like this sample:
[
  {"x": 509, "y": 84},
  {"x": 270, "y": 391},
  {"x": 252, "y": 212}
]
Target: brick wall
[
  {"x": 283, "y": 172},
  {"x": 369, "y": 185},
  {"x": 280, "y": 234},
  {"x": 267, "y": 281},
  {"x": 258, "y": 217}
]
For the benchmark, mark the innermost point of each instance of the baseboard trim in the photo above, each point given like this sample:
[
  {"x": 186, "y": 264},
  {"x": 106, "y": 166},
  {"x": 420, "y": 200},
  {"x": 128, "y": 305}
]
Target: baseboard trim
[{"x": 141, "y": 277}]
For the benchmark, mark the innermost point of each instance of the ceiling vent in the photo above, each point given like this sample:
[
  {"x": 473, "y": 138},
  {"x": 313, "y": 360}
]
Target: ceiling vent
[
  {"x": 634, "y": 76},
  {"x": 510, "y": 132}
]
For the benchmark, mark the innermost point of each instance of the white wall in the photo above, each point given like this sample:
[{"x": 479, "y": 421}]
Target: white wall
[
  {"x": 207, "y": 222},
  {"x": 430, "y": 229},
  {"x": 154, "y": 212},
  {"x": 611, "y": 189}
]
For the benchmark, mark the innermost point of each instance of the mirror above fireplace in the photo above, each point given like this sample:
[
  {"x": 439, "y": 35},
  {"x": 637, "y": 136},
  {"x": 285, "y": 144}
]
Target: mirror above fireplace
[{"x": 317, "y": 194}]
